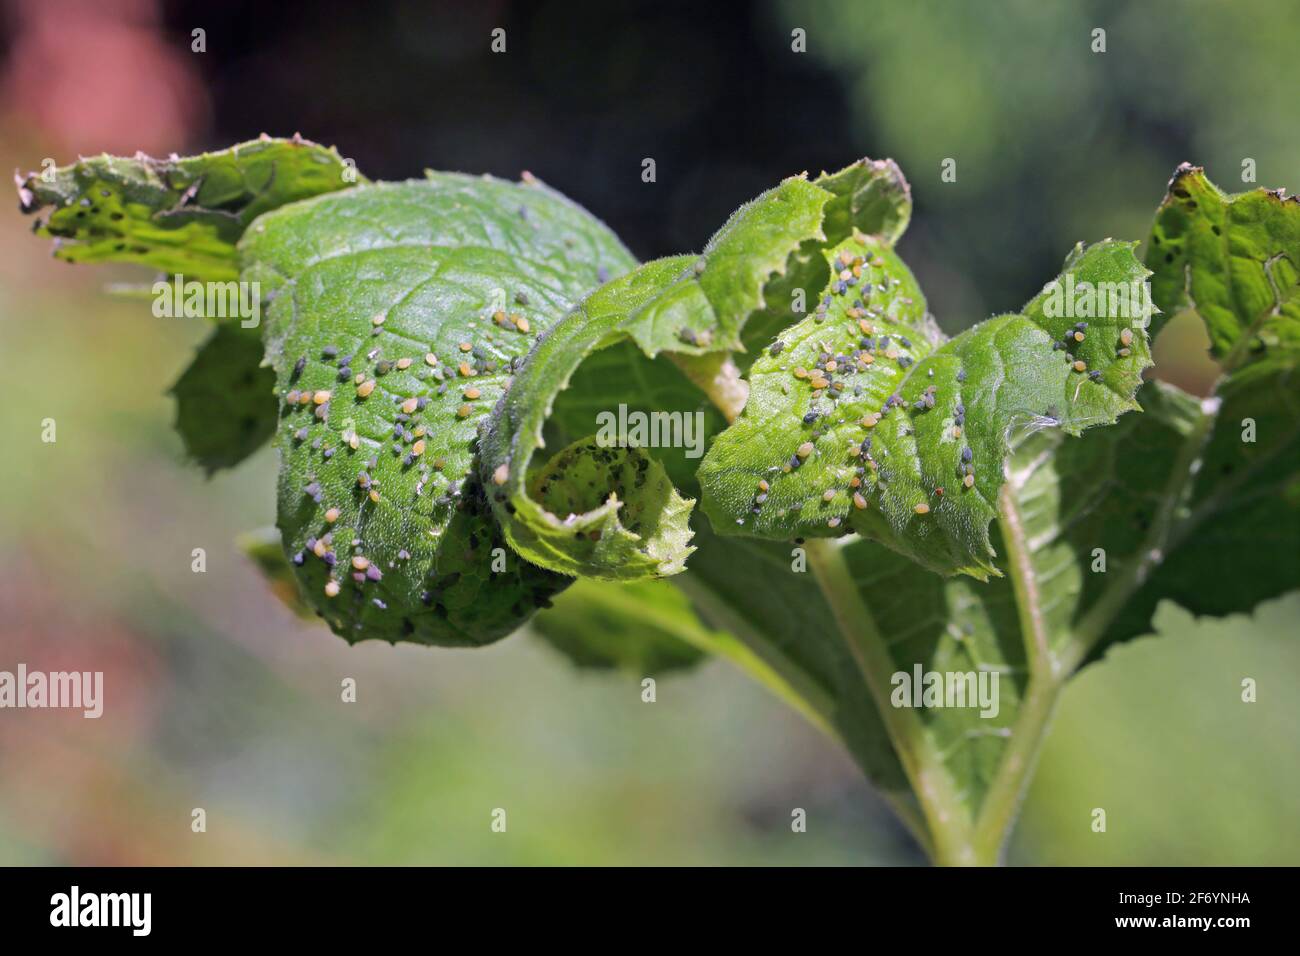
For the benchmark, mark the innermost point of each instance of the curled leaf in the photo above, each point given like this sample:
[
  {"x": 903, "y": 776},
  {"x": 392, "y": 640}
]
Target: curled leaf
[
  {"x": 868, "y": 420},
  {"x": 695, "y": 309},
  {"x": 396, "y": 315},
  {"x": 180, "y": 214}
]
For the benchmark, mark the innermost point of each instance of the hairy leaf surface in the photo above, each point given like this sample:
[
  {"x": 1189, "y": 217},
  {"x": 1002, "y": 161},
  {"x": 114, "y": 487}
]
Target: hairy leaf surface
[
  {"x": 695, "y": 308},
  {"x": 397, "y": 314},
  {"x": 180, "y": 215},
  {"x": 867, "y": 420}
]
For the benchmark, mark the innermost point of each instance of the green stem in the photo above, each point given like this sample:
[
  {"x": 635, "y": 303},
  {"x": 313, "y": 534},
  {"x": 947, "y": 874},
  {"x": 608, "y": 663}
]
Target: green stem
[{"x": 946, "y": 817}]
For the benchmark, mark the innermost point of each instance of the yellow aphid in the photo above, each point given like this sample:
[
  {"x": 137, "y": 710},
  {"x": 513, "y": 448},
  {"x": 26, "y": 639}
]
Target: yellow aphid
[
  {"x": 418, "y": 431},
  {"x": 464, "y": 411},
  {"x": 321, "y": 397},
  {"x": 866, "y": 327},
  {"x": 360, "y": 562},
  {"x": 418, "y": 448},
  {"x": 859, "y": 502},
  {"x": 374, "y": 496},
  {"x": 804, "y": 450},
  {"x": 522, "y": 324},
  {"x": 1080, "y": 366},
  {"x": 320, "y": 548},
  {"x": 466, "y": 370},
  {"x": 869, "y": 421},
  {"x": 762, "y": 486},
  {"x": 828, "y": 494},
  {"x": 1126, "y": 336},
  {"x": 378, "y": 319},
  {"x": 1078, "y": 336},
  {"x": 500, "y": 475},
  {"x": 832, "y": 365},
  {"x": 866, "y": 358},
  {"x": 969, "y": 481},
  {"x": 922, "y": 509},
  {"x": 855, "y": 482},
  {"x": 430, "y": 358},
  {"x": 403, "y": 363},
  {"x": 801, "y": 373},
  {"x": 410, "y": 405},
  {"x": 332, "y": 515},
  {"x": 331, "y": 588},
  {"x": 472, "y": 393},
  {"x": 353, "y": 441},
  {"x": 498, "y": 317},
  {"x": 364, "y": 389},
  {"x": 305, "y": 398},
  {"x": 465, "y": 346},
  {"x": 956, "y": 431}
]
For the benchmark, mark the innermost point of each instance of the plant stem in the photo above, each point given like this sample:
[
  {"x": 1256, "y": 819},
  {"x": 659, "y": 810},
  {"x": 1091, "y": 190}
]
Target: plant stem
[{"x": 946, "y": 817}]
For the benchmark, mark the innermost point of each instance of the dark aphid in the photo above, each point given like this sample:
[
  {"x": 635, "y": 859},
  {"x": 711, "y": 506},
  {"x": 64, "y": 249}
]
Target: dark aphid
[
  {"x": 298, "y": 366},
  {"x": 904, "y": 361},
  {"x": 961, "y": 375},
  {"x": 907, "y": 344},
  {"x": 884, "y": 342},
  {"x": 966, "y": 454},
  {"x": 329, "y": 351},
  {"x": 809, "y": 418},
  {"x": 300, "y": 434},
  {"x": 1095, "y": 375},
  {"x": 776, "y": 348},
  {"x": 299, "y": 558},
  {"x": 313, "y": 490}
]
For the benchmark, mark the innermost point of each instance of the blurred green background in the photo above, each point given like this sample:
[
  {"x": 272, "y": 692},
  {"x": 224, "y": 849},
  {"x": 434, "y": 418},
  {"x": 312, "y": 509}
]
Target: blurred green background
[{"x": 217, "y": 697}]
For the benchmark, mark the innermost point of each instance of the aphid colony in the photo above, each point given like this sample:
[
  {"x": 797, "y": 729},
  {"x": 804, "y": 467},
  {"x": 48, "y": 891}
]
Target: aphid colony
[
  {"x": 1078, "y": 334},
  {"x": 832, "y": 378},
  {"x": 412, "y": 419}
]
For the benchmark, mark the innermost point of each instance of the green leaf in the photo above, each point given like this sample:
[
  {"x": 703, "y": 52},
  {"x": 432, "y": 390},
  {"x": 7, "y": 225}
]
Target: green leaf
[
  {"x": 644, "y": 629},
  {"x": 868, "y": 421},
  {"x": 431, "y": 291},
  {"x": 225, "y": 402},
  {"x": 696, "y": 309},
  {"x": 1234, "y": 259},
  {"x": 180, "y": 215}
]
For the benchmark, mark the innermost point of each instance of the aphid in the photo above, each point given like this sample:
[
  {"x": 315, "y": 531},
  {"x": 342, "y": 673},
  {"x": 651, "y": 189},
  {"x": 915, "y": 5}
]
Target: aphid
[
  {"x": 938, "y": 492},
  {"x": 378, "y": 319},
  {"x": 1125, "y": 353},
  {"x": 331, "y": 588},
  {"x": 373, "y": 573},
  {"x": 301, "y": 434},
  {"x": 464, "y": 411},
  {"x": 292, "y": 397},
  {"x": 1079, "y": 336},
  {"x": 961, "y": 375},
  {"x": 332, "y": 515},
  {"x": 966, "y": 454},
  {"x": 775, "y": 349},
  {"x": 465, "y": 346},
  {"x": 1080, "y": 366},
  {"x": 810, "y": 417},
  {"x": 762, "y": 485},
  {"x": 298, "y": 366},
  {"x": 472, "y": 393},
  {"x": 1126, "y": 336},
  {"x": 1095, "y": 375},
  {"x": 374, "y": 496},
  {"x": 828, "y": 494},
  {"x": 922, "y": 509},
  {"x": 804, "y": 450},
  {"x": 329, "y": 351},
  {"x": 409, "y": 405},
  {"x": 403, "y": 363},
  {"x": 969, "y": 480},
  {"x": 859, "y": 502},
  {"x": 321, "y": 396},
  {"x": 418, "y": 448},
  {"x": 833, "y": 523},
  {"x": 364, "y": 389},
  {"x": 466, "y": 370},
  {"x": 500, "y": 474}
]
